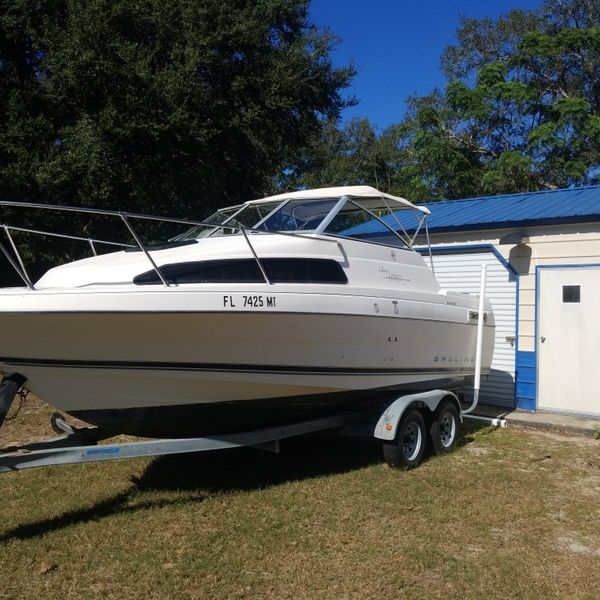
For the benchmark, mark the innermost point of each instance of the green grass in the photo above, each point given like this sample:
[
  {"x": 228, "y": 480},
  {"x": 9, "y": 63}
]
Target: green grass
[{"x": 511, "y": 513}]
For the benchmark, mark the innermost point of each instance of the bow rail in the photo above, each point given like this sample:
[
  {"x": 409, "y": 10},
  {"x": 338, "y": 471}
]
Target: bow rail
[{"x": 125, "y": 217}]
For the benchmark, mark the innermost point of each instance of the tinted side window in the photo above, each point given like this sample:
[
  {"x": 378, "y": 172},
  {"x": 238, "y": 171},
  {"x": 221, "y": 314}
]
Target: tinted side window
[
  {"x": 279, "y": 270},
  {"x": 304, "y": 270}
]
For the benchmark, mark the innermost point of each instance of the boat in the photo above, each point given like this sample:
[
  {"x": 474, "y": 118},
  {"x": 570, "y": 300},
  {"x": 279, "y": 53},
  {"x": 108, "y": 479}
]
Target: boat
[{"x": 275, "y": 310}]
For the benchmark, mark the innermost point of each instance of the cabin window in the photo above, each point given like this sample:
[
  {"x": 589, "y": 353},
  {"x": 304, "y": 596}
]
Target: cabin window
[{"x": 279, "y": 270}]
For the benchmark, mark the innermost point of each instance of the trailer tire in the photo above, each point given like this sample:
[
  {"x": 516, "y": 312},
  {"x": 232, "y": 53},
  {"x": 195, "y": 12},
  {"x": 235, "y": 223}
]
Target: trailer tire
[
  {"x": 408, "y": 449},
  {"x": 444, "y": 430}
]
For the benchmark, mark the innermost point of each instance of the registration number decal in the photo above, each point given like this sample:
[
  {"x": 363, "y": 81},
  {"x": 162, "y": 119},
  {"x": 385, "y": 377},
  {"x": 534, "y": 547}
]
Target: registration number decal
[{"x": 258, "y": 301}]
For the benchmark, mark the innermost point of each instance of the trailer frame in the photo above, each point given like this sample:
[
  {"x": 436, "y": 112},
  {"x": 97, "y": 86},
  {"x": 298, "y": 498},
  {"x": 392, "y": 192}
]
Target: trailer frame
[{"x": 76, "y": 445}]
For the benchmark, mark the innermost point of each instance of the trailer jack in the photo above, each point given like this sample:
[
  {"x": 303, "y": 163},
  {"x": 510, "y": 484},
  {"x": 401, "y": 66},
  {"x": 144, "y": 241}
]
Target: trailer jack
[{"x": 9, "y": 386}]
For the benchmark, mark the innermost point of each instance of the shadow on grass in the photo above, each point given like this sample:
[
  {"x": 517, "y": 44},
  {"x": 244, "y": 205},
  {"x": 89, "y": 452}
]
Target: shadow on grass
[
  {"x": 117, "y": 504},
  {"x": 248, "y": 469},
  {"x": 224, "y": 471},
  {"x": 242, "y": 469}
]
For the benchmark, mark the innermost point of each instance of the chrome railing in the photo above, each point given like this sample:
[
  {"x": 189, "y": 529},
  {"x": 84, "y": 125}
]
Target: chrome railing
[{"x": 125, "y": 217}]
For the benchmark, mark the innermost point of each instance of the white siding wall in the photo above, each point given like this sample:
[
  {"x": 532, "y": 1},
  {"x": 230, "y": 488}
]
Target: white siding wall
[
  {"x": 461, "y": 272},
  {"x": 575, "y": 243}
]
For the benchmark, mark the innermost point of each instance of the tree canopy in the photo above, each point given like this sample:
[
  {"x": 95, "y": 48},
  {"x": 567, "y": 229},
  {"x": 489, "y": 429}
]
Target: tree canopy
[
  {"x": 180, "y": 107},
  {"x": 172, "y": 107},
  {"x": 520, "y": 111}
]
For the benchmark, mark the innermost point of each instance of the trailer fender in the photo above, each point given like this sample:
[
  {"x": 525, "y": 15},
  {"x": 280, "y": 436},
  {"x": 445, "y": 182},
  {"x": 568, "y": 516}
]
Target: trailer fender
[{"x": 387, "y": 426}]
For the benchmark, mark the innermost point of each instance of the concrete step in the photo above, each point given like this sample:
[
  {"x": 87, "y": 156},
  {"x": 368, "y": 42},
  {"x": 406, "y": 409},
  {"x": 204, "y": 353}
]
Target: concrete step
[{"x": 549, "y": 421}]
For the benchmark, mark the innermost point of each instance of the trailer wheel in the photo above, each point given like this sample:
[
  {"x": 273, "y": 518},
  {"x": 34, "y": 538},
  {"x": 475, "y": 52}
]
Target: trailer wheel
[
  {"x": 408, "y": 449},
  {"x": 444, "y": 430}
]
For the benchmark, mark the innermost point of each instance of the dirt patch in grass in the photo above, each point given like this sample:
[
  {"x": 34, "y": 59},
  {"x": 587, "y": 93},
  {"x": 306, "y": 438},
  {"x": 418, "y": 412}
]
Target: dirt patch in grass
[
  {"x": 27, "y": 420},
  {"x": 512, "y": 513}
]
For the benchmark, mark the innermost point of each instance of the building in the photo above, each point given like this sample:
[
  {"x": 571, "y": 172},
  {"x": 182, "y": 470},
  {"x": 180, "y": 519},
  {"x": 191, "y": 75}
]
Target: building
[{"x": 543, "y": 255}]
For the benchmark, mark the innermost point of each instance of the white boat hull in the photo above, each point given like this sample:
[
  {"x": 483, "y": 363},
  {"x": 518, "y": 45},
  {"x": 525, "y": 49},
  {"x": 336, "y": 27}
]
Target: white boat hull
[
  {"x": 309, "y": 311},
  {"x": 178, "y": 364}
]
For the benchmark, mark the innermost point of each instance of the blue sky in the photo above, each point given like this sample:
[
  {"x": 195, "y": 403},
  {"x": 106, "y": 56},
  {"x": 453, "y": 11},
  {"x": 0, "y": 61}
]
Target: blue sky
[{"x": 396, "y": 46}]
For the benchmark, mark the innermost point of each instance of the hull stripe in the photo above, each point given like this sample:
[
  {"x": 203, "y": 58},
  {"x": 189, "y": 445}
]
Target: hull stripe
[{"x": 230, "y": 368}]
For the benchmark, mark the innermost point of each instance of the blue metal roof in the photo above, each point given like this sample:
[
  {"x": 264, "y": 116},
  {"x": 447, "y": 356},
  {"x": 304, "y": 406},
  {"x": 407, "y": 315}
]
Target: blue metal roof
[{"x": 547, "y": 207}]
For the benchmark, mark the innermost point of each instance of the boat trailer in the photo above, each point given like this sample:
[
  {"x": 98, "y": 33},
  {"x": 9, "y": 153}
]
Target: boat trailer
[{"x": 406, "y": 427}]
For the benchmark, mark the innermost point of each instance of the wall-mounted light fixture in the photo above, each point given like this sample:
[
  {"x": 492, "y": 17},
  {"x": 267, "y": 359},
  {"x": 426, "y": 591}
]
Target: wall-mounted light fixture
[{"x": 515, "y": 238}]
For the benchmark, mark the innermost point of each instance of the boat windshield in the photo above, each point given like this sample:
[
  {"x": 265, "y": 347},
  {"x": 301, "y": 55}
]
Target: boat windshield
[
  {"x": 298, "y": 215},
  {"x": 244, "y": 215},
  {"x": 374, "y": 219},
  {"x": 251, "y": 214},
  {"x": 289, "y": 215},
  {"x": 218, "y": 218}
]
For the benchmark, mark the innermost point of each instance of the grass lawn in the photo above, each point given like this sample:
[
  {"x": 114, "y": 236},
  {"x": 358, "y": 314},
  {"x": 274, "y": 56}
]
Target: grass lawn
[{"x": 510, "y": 514}]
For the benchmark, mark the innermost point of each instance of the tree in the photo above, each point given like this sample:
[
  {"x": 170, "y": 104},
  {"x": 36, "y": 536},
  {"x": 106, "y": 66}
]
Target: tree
[
  {"x": 523, "y": 103},
  {"x": 520, "y": 111},
  {"x": 485, "y": 41},
  {"x": 357, "y": 154},
  {"x": 158, "y": 105},
  {"x": 351, "y": 155},
  {"x": 172, "y": 107}
]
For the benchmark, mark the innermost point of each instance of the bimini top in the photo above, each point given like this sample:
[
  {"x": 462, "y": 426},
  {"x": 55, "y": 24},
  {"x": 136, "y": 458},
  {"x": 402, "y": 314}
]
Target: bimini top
[
  {"x": 352, "y": 191},
  {"x": 322, "y": 211}
]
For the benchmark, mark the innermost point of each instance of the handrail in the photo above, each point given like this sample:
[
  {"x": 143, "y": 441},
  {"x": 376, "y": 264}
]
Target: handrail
[
  {"x": 125, "y": 217},
  {"x": 350, "y": 201},
  {"x": 100, "y": 211},
  {"x": 66, "y": 236},
  {"x": 138, "y": 241},
  {"x": 393, "y": 213},
  {"x": 258, "y": 261},
  {"x": 132, "y": 215},
  {"x": 16, "y": 251}
]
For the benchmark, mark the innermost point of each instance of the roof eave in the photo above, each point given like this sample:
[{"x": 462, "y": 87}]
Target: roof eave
[{"x": 515, "y": 223}]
